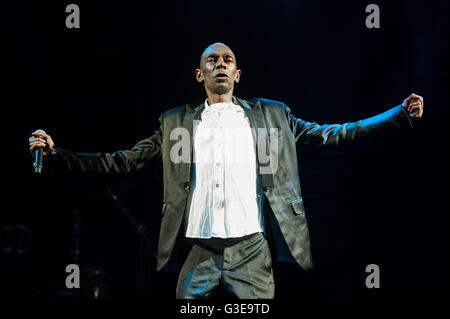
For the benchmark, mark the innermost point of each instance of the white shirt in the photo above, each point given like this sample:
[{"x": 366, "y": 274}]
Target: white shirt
[{"x": 225, "y": 198}]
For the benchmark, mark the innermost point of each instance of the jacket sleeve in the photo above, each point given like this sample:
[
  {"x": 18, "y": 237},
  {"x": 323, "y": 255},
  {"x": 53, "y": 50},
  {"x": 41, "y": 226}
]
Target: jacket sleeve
[
  {"x": 119, "y": 162},
  {"x": 337, "y": 134}
]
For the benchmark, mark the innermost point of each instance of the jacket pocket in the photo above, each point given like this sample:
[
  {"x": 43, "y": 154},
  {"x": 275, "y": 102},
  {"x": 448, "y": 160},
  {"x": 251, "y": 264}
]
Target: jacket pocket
[
  {"x": 164, "y": 205},
  {"x": 297, "y": 206}
]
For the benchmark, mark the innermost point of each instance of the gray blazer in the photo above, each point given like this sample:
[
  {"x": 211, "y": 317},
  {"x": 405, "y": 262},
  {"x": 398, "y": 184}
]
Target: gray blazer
[{"x": 281, "y": 186}]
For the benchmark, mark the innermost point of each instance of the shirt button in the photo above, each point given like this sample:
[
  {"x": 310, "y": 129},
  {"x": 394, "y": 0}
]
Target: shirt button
[
  {"x": 217, "y": 185},
  {"x": 218, "y": 164}
]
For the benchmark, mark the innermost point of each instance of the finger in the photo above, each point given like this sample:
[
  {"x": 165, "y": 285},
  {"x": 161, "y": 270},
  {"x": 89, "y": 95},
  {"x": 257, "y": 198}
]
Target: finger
[
  {"x": 33, "y": 146},
  {"x": 416, "y": 97},
  {"x": 416, "y": 114},
  {"x": 418, "y": 108},
  {"x": 38, "y": 144},
  {"x": 416, "y": 102},
  {"x": 40, "y": 134},
  {"x": 416, "y": 111},
  {"x": 421, "y": 100},
  {"x": 37, "y": 139},
  {"x": 406, "y": 102}
]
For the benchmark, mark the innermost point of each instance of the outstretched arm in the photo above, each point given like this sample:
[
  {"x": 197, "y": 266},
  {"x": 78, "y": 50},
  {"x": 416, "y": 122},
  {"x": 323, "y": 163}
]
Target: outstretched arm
[
  {"x": 337, "y": 134},
  {"x": 118, "y": 162}
]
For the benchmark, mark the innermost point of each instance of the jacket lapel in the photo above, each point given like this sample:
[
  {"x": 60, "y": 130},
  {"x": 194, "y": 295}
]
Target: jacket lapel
[
  {"x": 257, "y": 122},
  {"x": 191, "y": 115}
]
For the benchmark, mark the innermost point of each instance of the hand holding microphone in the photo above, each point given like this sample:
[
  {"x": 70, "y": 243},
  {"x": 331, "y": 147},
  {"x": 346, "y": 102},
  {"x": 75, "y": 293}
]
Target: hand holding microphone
[{"x": 40, "y": 145}]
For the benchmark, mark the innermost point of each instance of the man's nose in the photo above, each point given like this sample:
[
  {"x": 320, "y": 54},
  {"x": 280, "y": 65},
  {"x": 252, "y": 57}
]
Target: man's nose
[{"x": 220, "y": 64}]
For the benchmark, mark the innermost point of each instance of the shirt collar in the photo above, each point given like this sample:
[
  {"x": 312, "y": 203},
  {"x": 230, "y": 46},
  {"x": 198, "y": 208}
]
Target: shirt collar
[{"x": 232, "y": 105}]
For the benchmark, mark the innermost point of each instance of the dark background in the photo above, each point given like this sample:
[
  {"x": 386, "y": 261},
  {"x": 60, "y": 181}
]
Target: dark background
[{"x": 102, "y": 87}]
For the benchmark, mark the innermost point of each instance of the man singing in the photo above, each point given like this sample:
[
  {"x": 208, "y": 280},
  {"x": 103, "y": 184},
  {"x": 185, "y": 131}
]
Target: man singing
[{"x": 214, "y": 201}]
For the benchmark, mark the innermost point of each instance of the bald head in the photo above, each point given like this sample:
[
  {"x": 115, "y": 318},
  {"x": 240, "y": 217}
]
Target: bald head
[{"x": 215, "y": 47}]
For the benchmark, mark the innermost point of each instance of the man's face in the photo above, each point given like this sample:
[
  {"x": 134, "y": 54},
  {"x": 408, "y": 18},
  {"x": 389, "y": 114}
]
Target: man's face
[{"x": 218, "y": 69}]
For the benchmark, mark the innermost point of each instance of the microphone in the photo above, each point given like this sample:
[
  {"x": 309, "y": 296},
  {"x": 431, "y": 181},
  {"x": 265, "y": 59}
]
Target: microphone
[{"x": 38, "y": 158}]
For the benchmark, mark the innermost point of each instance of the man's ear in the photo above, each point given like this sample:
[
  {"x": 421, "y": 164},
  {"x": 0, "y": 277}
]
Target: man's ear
[
  {"x": 238, "y": 76},
  {"x": 199, "y": 75}
]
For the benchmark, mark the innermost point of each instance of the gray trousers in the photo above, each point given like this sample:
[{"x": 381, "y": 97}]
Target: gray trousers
[{"x": 244, "y": 266}]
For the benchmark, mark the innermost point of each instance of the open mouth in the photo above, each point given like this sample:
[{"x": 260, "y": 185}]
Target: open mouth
[{"x": 221, "y": 76}]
